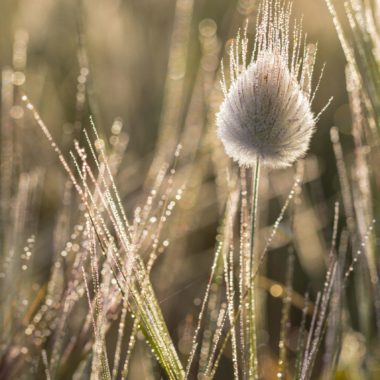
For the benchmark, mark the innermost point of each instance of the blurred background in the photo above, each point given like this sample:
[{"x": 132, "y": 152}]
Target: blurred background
[{"x": 148, "y": 71}]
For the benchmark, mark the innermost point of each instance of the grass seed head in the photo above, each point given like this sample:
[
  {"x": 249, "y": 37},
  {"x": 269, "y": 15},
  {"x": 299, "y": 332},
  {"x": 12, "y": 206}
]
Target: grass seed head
[{"x": 266, "y": 112}]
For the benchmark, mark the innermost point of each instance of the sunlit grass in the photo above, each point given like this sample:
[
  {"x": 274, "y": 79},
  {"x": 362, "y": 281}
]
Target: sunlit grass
[{"x": 132, "y": 247}]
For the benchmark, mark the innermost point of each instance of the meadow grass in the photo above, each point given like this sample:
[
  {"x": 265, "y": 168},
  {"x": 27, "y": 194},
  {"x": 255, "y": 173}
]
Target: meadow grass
[{"x": 132, "y": 254}]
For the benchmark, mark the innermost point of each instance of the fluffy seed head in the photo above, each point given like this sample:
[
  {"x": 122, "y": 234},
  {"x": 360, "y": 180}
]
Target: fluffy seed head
[{"x": 266, "y": 111}]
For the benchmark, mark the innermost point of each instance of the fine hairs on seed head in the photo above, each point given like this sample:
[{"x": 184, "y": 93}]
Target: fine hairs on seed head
[{"x": 266, "y": 112}]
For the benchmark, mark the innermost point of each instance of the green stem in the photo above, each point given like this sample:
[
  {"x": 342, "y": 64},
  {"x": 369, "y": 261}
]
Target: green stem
[
  {"x": 252, "y": 371},
  {"x": 255, "y": 196}
]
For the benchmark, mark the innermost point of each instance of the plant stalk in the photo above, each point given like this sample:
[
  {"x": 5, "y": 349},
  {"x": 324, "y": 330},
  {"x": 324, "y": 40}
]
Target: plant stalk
[{"x": 252, "y": 370}]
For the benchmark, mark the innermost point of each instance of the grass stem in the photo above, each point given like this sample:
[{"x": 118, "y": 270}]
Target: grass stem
[{"x": 251, "y": 314}]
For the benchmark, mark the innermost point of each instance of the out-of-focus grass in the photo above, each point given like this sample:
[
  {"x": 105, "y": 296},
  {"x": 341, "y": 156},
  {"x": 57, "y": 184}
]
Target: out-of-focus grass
[{"x": 153, "y": 67}]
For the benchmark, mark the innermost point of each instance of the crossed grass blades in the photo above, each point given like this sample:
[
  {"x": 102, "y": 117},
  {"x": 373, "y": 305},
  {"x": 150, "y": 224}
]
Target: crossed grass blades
[{"x": 97, "y": 315}]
